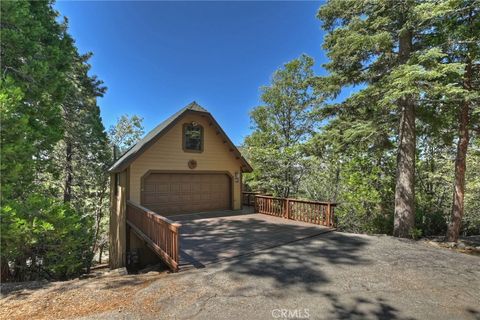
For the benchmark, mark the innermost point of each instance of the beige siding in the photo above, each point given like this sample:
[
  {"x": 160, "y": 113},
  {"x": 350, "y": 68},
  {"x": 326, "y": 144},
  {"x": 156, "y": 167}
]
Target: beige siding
[
  {"x": 167, "y": 154},
  {"x": 117, "y": 257}
]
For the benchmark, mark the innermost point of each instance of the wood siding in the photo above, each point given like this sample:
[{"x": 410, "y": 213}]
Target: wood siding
[{"x": 167, "y": 154}]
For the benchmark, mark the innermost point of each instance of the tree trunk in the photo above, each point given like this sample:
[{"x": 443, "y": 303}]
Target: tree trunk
[
  {"x": 100, "y": 254},
  {"x": 460, "y": 164},
  {"x": 404, "y": 216},
  {"x": 67, "y": 192},
  {"x": 4, "y": 271}
]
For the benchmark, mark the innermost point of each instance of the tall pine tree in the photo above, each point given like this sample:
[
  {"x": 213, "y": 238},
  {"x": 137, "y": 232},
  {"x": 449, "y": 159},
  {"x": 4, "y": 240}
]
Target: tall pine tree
[{"x": 384, "y": 46}]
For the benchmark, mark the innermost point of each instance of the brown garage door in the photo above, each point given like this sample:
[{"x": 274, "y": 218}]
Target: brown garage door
[{"x": 177, "y": 193}]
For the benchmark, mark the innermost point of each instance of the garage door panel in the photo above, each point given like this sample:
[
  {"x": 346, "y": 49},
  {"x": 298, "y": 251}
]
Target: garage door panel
[
  {"x": 175, "y": 187},
  {"x": 149, "y": 187},
  {"x": 177, "y": 193},
  {"x": 162, "y": 187},
  {"x": 196, "y": 187},
  {"x": 149, "y": 197}
]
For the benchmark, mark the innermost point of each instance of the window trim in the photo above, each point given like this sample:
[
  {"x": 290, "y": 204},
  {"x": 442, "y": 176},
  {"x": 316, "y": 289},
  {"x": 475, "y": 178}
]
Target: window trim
[{"x": 184, "y": 140}]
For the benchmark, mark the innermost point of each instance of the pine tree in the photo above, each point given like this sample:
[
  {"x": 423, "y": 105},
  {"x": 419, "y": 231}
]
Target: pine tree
[
  {"x": 386, "y": 47},
  {"x": 54, "y": 147},
  {"x": 459, "y": 29},
  {"x": 281, "y": 125}
]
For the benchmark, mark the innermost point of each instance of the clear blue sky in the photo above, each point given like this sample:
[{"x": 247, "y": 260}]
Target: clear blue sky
[{"x": 156, "y": 57}]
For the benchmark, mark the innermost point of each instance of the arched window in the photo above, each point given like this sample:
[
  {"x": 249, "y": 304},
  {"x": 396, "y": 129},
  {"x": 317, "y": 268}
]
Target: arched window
[{"x": 192, "y": 137}]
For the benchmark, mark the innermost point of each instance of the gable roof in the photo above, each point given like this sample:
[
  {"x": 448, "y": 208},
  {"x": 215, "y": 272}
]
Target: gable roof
[{"x": 193, "y": 108}]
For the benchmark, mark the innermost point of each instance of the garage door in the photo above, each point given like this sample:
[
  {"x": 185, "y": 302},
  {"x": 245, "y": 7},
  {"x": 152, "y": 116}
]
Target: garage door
[{"x": 177, "y": 193}]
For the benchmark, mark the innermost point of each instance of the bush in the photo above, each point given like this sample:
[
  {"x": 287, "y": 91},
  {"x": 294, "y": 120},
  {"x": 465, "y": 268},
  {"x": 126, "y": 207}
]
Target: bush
[{"x": 43, "y": 238}]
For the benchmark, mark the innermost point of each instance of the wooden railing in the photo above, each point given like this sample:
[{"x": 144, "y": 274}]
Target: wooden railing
[
  {"x": 248, "y": 198},
  {"x": 315, "y": 212},
  {"x": 160, "y": 233}
]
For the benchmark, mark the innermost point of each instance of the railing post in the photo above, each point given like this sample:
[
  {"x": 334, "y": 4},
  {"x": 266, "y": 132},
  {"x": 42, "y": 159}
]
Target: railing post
[
  {"x": 177, "y": 244},
  {"x": 255, "y": 204},
  {"x": 332, "y": 216},
  {"x": 287, "y": 208},
  {"x": 328, "y": 214}
]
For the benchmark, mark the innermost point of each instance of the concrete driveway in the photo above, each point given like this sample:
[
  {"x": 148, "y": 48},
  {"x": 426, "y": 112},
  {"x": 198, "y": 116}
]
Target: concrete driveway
[{"x": 211, "y": 237}]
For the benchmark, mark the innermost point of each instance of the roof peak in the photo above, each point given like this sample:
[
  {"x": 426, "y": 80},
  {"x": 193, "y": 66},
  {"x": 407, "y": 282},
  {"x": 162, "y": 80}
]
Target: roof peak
[
  {"x": 195, "y": 107},
  {"x": 131, "y": 154}
]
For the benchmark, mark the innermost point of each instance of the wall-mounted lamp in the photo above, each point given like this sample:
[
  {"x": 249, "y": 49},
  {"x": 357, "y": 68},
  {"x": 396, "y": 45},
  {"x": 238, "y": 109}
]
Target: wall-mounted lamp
[{"x": 237, "y": 176}]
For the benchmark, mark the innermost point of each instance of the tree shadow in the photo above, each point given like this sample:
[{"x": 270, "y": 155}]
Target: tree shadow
[
  {"x": 363, "y": 308},
  {"x": 290, "y": 258},
  {"x": 22, "y": 290},
  {"x": 283, "y": 252}
]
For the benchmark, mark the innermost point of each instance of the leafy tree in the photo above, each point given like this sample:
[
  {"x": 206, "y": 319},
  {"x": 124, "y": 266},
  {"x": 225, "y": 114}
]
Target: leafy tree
[
  {"x": 281, "y": 125},
  {"x": 126, "y": 132}
]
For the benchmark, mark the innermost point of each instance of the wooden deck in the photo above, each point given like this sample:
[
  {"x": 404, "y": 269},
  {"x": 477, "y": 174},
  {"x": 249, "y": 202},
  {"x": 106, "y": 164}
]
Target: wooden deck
[
  {"x": 206, "y": 238},
  {"x": 195, "y": 240}
]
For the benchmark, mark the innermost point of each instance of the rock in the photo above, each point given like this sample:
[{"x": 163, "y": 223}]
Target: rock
[
  {"x": 118, "y": 272},
  {"x": 433, "y": 243},
  {"x": 451, "y": 244},
  {"x": 461, "y": 245}
]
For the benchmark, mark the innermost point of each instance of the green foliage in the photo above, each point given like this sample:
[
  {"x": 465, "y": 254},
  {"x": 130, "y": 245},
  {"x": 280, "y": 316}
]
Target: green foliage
[
  {"x": 415, "y": 233},
  {"x": 364, "y": 46},
  {"x": 53, "y": 145},
  {"x": 349, "y": 154},
  {"x": 280, "y": 128},
  {"x": 471, "y": 220},
  {"x": 126, "y": 132},
  {"x": 44, "y": 238}
]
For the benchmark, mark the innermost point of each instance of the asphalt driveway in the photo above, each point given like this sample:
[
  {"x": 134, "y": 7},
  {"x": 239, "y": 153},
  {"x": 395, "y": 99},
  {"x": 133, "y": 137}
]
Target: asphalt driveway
[
  {"x": 272, "y": 270},
  {"x": 331, "y": 276}
]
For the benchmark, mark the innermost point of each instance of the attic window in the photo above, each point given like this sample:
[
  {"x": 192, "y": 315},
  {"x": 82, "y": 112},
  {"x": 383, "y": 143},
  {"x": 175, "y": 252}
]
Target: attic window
[{"x": 192, "y": 137}]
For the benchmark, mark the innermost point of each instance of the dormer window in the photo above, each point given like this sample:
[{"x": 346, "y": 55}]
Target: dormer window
[{"x": 192, "y": 137}]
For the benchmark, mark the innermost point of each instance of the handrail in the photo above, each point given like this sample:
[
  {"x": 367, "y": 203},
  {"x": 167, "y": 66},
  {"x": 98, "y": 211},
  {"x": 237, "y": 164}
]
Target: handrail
[
  {"x": 298, "y": 200},
  {"x": 316, "y": 212},
  {"x": 160, "y": 233},
  {"x": 158, "y": 216}
]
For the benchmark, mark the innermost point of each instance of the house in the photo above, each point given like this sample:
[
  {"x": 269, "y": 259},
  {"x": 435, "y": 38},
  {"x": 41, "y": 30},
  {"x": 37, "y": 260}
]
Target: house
[{"x": 186, "y": 164}]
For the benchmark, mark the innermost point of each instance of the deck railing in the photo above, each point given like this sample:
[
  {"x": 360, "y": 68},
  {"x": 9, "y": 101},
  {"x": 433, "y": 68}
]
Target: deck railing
[
  {"x": 248, "y": 198},
  {"x": 160, "y": 233},
  {"x": 315, "y": 212}
]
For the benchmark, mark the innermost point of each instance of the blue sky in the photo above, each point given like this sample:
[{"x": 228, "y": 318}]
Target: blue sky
[{"x": 156, "y": 57}]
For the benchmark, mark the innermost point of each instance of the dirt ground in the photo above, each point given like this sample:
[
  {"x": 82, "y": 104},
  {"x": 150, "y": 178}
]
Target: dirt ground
[{"x": 74, "y": 298}]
